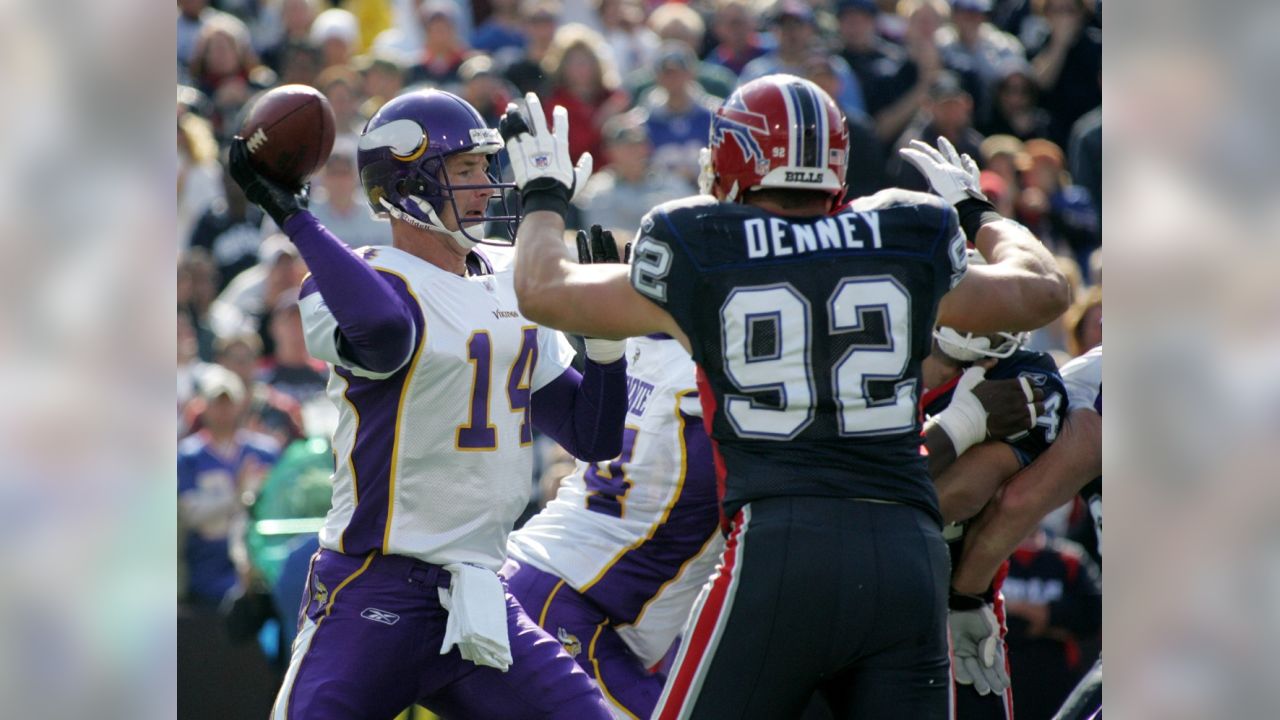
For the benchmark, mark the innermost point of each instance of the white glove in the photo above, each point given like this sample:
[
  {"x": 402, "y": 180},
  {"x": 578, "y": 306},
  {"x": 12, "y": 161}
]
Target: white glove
[
  {"x": 951, "y": 175},
  {"x": 965, "y": 419},
  {"x": 977, "y": 653},
  {"x": 540, "y": 157}
]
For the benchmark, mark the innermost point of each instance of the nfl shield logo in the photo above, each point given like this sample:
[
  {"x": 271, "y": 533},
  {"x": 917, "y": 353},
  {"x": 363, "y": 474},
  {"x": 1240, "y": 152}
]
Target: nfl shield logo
[{"x": 542, "y": 162}]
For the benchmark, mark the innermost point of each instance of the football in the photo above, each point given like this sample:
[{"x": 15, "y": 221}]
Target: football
[{"x": 289, "y": 133}]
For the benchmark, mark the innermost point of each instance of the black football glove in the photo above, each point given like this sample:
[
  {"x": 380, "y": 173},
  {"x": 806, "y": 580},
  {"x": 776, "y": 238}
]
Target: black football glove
[
  {"x": 600, "y": 247},
  {"x": 276, "y": 200}
]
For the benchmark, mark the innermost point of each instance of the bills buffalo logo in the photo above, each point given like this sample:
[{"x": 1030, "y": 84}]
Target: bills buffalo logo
[{"x": 741, "y": 124}]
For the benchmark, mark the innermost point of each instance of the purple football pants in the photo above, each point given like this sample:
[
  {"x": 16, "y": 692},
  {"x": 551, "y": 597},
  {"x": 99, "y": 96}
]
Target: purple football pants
[
  {"x": 586, "y": 632},
  {"x": 368, "y": 647}
]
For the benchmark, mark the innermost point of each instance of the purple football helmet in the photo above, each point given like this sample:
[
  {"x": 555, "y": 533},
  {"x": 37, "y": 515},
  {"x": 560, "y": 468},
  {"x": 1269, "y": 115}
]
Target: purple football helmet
[{"x": 401, "y": 157}]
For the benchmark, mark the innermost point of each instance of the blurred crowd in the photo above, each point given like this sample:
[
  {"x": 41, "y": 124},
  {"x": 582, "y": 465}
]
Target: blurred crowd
[{"x": 1014, "y": 83}]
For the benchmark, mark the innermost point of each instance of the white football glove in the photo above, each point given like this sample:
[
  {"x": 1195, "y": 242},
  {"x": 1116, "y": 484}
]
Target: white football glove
[
  {"x": 965, "y": 419},
  {"x": 539, "y": 156},
  {"x": 951, "y": 175},
  {"x": 977, "y": 653}
]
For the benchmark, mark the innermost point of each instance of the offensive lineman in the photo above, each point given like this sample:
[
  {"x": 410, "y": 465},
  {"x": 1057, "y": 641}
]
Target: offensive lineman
[
  {"x": 808, "y": 331},
  {"x": 439, "y": 381}
]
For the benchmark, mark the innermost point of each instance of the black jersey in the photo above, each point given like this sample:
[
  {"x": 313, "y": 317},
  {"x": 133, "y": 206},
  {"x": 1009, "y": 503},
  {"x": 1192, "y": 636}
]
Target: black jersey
[
  {"x": 1041, "y": 370},
  {"x": 808, "y": 334}
]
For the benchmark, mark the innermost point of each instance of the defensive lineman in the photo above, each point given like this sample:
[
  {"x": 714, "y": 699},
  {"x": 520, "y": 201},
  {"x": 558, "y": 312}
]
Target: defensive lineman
[{"x": 808, "y": 345}]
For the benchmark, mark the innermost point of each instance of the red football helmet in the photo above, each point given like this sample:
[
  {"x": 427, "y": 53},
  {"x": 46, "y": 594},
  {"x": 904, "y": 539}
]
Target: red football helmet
[{"x": 778, "y": 131}]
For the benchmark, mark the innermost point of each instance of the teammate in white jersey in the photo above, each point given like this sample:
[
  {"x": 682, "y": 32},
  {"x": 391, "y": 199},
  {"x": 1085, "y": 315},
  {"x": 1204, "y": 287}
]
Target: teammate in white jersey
[
  {"x": 439, "y": 382},
  {"x": 613, "y": 564}
]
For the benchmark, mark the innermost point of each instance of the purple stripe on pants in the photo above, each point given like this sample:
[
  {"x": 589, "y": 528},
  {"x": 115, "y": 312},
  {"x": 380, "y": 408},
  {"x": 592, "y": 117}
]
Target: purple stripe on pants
[
  {"x": 587, "y": 635},
  {"x": 374, "y": 650}
]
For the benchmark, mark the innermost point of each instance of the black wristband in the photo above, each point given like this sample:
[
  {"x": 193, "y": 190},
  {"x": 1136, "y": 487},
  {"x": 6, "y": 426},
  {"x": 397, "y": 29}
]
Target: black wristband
[
  {"x": 966, "y": 601},
  {"x": 540, "y": 195},
  {"x": 975, "y": 213}
]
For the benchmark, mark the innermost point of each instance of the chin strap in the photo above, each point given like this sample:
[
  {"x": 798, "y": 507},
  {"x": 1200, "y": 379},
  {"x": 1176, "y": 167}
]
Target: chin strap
[{"x": 432, "y": 223}]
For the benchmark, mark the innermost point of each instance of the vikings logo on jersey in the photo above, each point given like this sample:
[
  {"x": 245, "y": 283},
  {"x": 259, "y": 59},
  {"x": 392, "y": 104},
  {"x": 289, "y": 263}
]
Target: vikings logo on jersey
[{"x": 739, "y": 122}]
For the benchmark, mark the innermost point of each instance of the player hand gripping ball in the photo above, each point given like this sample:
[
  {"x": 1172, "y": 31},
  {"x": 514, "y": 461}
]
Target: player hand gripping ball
[
  {"x": 540, "y": 161},
  {"x": 977, "y": 653},
  {"x": 951, "y": 175},
  {"x": 600, "y": 247},
  {"x": 278, "y": 201}
]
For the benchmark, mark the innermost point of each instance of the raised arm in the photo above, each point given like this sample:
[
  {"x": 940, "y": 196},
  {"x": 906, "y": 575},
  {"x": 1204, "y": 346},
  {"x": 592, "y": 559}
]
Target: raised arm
[
  {"x": 1021, "y": 287},
  {"x": 375, "y": 322},
  {"x": 553, "y": 290},
  {"x": 1051, "y": 480}
]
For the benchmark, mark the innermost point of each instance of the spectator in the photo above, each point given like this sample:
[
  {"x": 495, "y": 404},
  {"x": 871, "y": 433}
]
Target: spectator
[
  {"x": 192, "y": 15},
  {"x": 291, "y": 369},
  {"x": 299, "y": 63},
  {"x": 190, "y": 367},
  {"x": 1084, "y": 156},
  {"x": 340, "y": 203},
  {"x": 197, "y": 287},
  {"x": 229, "y": 230},
  {"x": 583, "y": 80},
  {"x": 864, "y": 173},
  {"x": 630, "y": 42},
  {"x": 1068, "y": 65},
  {"x": 295, "y": 19},
  {"x": 372, "y": 17},
  {"x": 948, "y": 112},
  {"x": 974, "y": 45},
  {"x": 1083, "y": 322},
  {"x": 342, "y": 86},
  {"x": 541, "y": 17},
  {"x": 794, "y": 25},
  {"x": 199, "y": 174},
  {"x": 249, "y": 297},
  {"x": 337, "y": 35},
  {"x": 884, "y": 69},
  {"x": 224, "y": 67},
  {"x": 383, "y": 78},
  {"x": 484, "y": 88},
  {"x": 1014, "y": 110},
  {"x": 1004, "y": 155},
  {"x": 502, "y": 34},
  {"x": 1054, "y": 602},
  {"x": 619, "y": 196},
  {"x": 736, "y": 41},
  {"x": 444, "y": 49},
  {"x": 679, "y": 113},
  {"x": 216, "y": 466},
  {"x": 675, "y": 22},
  {"x": 266, "y": 411},
  {"x": 1059, "y": 212}
]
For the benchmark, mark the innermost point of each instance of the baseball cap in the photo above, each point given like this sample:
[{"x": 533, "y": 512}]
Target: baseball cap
[
  {"x": 432, "y": 9},
  {"x": 217, "y": 381},
  {"x": 797, "y": 9},
  {"x": 946, "y": 86},
  {"x": 335, "y": 24},
  {"x": 981, "y": 6},
  {"x": 625, "y": 129},
  {"x": 866, "y": 6}
]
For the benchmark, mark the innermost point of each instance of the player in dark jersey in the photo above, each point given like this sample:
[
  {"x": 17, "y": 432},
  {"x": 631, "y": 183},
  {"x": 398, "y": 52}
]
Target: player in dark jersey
[
  {"x": 1073, "y": 464},
  {"x": 982, "y": 691},
  {"x": 808, "y": 327}
]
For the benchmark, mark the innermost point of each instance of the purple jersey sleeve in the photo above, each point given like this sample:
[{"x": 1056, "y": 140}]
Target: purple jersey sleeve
[
  {"x": 375, "y": 323},
  {"x": 585, "y": 413}
]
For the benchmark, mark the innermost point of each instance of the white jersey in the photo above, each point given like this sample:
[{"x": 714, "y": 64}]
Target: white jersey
[
  {"x": 434, "y": 460},
  {"x": 639, "y": 535},
  {"x": 1083, "y": 378}
]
